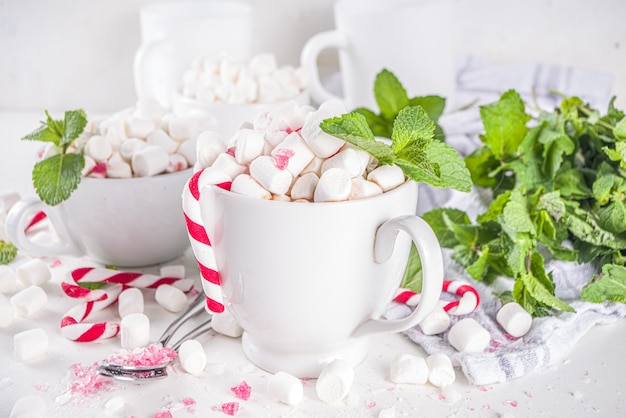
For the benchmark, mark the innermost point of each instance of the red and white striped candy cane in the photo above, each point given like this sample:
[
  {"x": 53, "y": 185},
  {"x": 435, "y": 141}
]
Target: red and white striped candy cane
[
  {"x": 200, "y": 242},
  {"x": 468, "y": 302}
]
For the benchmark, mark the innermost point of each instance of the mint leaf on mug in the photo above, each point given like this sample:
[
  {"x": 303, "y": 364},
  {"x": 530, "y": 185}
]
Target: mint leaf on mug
[
  {"x": 8, "y": 252},
  {"x": 56, "y": 177}
]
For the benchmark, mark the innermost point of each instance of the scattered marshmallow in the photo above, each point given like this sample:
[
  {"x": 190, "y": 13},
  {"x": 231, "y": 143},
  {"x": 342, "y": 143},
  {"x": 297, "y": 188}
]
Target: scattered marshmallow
[
  {"x": 150, "y": 161},
  {"x": 440, "y": 370},
  {"x": 130, "y": 301},
  {"x": 225, "y": 324},
  {"x": 192, "y": 356},
  {"x": 515, "y": 320},
  {"x": 173, "y": 270},
  {"x": 333, "y": 186},
  {"x": 34, "y": 272},
  {"x": 9, "y": 283},
  {"x": 6, "y": 312},
  {"x": 115, "y": 404},
  {"x": 30, "y": 344},
  {"x": 30, "y": 301},
  {"x": 467, "y": 335},
  {"x": 170, "y": 298},
  {"x": 388, "y": 177},
  {"x": 285, "y": 388},
  {"x": 30, "y": 406},
  {"x": 335, "y": 381},
  {"x": 408, "y": 368},
  {"x": 435, "y": 322},
  {"x": 135, "y": 331}
]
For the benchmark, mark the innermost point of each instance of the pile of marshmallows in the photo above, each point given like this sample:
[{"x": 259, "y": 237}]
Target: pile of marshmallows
[
  {"x": 231, "y": 81},
  {"x": 144, "y": 140},
  {"x": 284, "y": 155}
]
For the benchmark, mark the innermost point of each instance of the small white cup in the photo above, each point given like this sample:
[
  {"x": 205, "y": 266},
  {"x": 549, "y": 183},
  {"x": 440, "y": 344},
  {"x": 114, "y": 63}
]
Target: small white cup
[
  {"x": 309, "y": 282},
  {"x": 174, "y": 33},
  {"x": 410, "y": 38},
  {"x": 125, "y": 222}
]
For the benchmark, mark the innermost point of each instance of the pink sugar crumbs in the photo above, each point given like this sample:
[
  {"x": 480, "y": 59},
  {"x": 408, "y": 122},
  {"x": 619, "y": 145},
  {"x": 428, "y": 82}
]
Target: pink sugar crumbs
[
  {"x": 230, "y": 408},
  {"x": 88, "y": 380},
  {"x": 165, "y": 414},
  {"x": 152, "y": 355},
  {"x": 281, "y": 158},
  {"x": 242, "y": 391}
]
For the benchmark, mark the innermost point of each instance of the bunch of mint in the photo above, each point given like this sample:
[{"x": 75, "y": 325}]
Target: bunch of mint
[
  {"x": 559, "y": 189},
  {"x": 56, "y": 177}
]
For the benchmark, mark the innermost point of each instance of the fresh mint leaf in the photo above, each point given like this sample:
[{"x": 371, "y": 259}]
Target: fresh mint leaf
[
  {"x": 73, "y": 125},
  {"x": 412, "y": 278},
  {"x": 379, "y": 125},
  {"x": 454, "y": 173},
  {"x": 433, "y": 105},
  {"x": 8, "y": 252},
  {"x": 45, "y": 134},
  {"x": 441, "y": 221},
  {"x": 609, "y": 285},
  {"x": 620, "y": 129},
  {"x": 505, "y": 124},
  {"x": 55, "y": 178},
  {"x": 412, "y": 125},
  {"x": 516, "y": 215},
  {"x": 390, "y": 95}
]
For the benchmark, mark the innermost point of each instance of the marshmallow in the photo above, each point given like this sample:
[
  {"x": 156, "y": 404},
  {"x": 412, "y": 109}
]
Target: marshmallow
[
  {"x": 347, "y": 159},
  {"x": 246, "y": 185},
  {"x": 192, "y": 356},
  {"x": 181, "y": 128},
  {"x": 315, "y": 166},
  {"x": 467, "y": 335},
  {"x": 6, "y": 312},
  {"x": 130, "y": 147},
  {"x": 362, "y": 188},
  {"x": 170, "y": 298},
  {"x": 281, "y": 198},
  {"x": 229, "y": 165},
  {"x": 148, "y": 108},
  {"x": 263, "y": 64},
  {"x": 28, "y": 302},
  {"x": 225, "y": 324},
  {"x": 150, "y": 161},
  {"x": 436, "y": 322},
  {"x": 173, "y": 270},
  {"x": 387, "y": 177},
  {"x": 118, "y": 168},
  {"x": 176, "y": 163},
  {"x": 263, "y": 169},
  {"x": 30, "y": 344},
  {"x": 99, "y": 148},
  {"x": 333, "y": 186},
  {"x": 249, "y": 144},
  {"x": 34, "y": 272},
  {"x": 269, "y": 90},
  {"x": 139, "y": 127},
  {"x": 322, "y": 144},
  {"x": 407, "y": 368},
  {"x": 287, "y": 117},
  {"x": 114, "y": 404},
  {"x": 440, "y": 370},
  {"x": 335, "y": 381},
  {"x": 301, "y": 154},
  {"x": 188, "y": 150},
  {"x": 90, "y": 163},
  {"x": 304, "y": 186},
  {"x": 160, "y": 138},
  {"x": 515, "y": 320},
  {"x": 275, "y": 138},
  {"x": 285, "y": 388},
  {"x": 135, "y": 330},
  {"x": 31, "y": 406},
  {"x": 130, "y": 301},
  {"x": 209, "y": 145}
]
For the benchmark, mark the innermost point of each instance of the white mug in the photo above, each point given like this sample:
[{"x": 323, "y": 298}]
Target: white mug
[
  {"x": 309, "y": 282},
  {"x": 410, "y": 38},
  {"x": 175, "y": 33},
  {"x": 124, "y": 222}
]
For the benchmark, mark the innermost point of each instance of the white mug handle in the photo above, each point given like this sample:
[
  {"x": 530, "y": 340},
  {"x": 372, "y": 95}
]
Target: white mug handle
[
  {"x": 143, "y": 67},
  {"x": 17, "y": 221},
  {"x": 308, "y": 61},
  {"x": 431, "y": 257}
]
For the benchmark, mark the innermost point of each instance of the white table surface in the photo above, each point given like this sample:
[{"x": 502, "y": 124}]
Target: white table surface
[{"x": 588, "y": 382}]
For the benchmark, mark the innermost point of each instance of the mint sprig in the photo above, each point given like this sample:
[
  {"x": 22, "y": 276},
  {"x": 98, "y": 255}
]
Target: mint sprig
[
  {"x": 8, "y": 252},
  {"x": 56, "y": 177}
]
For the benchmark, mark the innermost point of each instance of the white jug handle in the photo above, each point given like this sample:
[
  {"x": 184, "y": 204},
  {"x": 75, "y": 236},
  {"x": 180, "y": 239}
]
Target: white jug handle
[
  {"x": 308, "y": 61},
  {"x": 143, "y": 66},
  {"x": 430, "y": 254},
  {"x": 17, "y": 221}
]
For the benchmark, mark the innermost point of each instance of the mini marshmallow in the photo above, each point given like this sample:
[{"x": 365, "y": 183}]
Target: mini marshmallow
[
  {"x": 333, "y": 186},
  {"x": 149, "y": 108},
  {"x": 287, "y": 117},
  {"x": 176, "y": 163},
  {"x": 322, "y": 144},
  {"x": 130, "y": 301},
  {"x": 388, "y": 177},
  {"x": 209, "y": 145},
  {"x": 28, "y": 302},
  {"x": 139, "y": 127},
  {"x": 135, "y": 330},
  {"x": 34, "y": 272},
  {"x": 335, "y": 381},
  {"x": 246, "y": 185},
  {"x": 130, "y": 147},
  {"x": 30, "y": 344},
  {"x": 181, "y": 128},
  {"x": 188, "y": 150},
  {"x": 115, "y": 404},
  {"x": 263, "y": 64},
  {"x": 362, "y": 188},
  {"x": 408, "y": 368},
  {"x": 301, "y": 156},
  {"x": 249, "y": 144},
  {"x": 274, "y": 138},
  {"x": 440, "y": 370},
  {"x": 285, "y": 388},
  {"x": 90, "y": 163},
  {"x": 515, "y": 320},
  {"x": 269, "y": 90},
  {"x": 118, "y": 168},
  {"x": 435, "y": 322},
  {"x": 99, "y": 148},
  {"x": 229, "y": 165},
  {"x": 225, "y": 324},
  {"x": 281, "y": 198},
  {"x": 170, "y": 298},
  {"x": 150, "y": 161},
  {"x": 467, "y": 335},
  {"x": 6, "y": 312},
  {"x": 263, "y": 169},
  {"x": 160, "y": 138},
  {"x": 173, "y": 270},
  {"x": 304, "y": 186},
  {"x": 192, "y": 356},
  {"x": 31, "y": 406},
  {"x": 347, "y": 159},
  {"x": 315, "y": 166}
]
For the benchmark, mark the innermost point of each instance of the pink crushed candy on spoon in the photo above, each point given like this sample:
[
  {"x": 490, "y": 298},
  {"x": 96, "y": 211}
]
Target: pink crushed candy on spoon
[{"x": 152, "y": 355}]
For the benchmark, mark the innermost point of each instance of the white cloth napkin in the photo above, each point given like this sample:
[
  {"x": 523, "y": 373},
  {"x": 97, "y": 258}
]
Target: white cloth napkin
[{"x": 478, "y": 83}]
